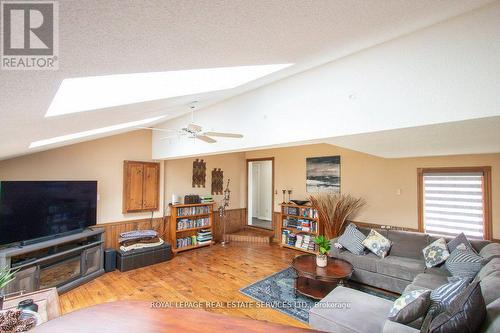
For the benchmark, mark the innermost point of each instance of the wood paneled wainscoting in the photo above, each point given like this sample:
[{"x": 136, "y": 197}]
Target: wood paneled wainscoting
[
  {"x": 235, "y": 220},
  {"x": 113, "y": 230}
]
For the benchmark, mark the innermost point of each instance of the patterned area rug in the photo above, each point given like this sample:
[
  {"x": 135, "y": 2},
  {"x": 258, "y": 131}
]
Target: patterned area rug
[{"x": 277, "y": 291}]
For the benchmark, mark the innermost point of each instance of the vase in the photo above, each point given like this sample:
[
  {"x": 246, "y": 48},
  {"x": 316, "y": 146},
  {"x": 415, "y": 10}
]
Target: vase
[{"x": 321, "y": 260}]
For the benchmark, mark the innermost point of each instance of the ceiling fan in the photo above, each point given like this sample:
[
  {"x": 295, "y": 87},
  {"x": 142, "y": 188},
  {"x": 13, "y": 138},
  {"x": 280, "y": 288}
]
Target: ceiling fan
[{"x": 195, "y": 131}]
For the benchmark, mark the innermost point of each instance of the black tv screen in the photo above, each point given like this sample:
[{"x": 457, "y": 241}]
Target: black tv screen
[{"x": 31, "y": 210}]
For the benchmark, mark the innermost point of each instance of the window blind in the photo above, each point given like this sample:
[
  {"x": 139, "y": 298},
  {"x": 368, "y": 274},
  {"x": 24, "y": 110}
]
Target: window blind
[{"x": 454, "y": 203}]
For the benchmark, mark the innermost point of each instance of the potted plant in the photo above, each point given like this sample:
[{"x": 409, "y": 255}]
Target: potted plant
[
  {"x": 324, "y": 247},
  {"x": 6, "y": 276}
]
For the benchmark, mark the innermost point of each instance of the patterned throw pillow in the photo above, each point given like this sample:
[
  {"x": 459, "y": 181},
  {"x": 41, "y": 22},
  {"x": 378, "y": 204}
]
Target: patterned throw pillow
[
  {"x": 442, "y": 296},
  {"x": 377, "y": 243},
  {"x": 410, "y": 306},
  {"x": 460, "y": 239},
  {"x": 352, "y": 239},
  {"x": 435, "y": 253},
  {"x": 464, "y": 263}
]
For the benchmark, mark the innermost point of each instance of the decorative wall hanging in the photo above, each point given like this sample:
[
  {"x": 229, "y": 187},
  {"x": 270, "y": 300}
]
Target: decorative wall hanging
[
  {"x": 323, "y": 174},
  {"x": 217, "y": 181},
  {"x": 199, "y": 173}
]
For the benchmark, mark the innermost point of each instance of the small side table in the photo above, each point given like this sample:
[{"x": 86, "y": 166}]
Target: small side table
[{"x": 46, "y": 299}]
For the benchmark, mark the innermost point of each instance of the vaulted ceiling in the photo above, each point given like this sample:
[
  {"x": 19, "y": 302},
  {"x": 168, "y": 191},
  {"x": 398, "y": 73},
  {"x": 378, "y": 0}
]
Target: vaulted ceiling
[{"x": 99, "y": 38}]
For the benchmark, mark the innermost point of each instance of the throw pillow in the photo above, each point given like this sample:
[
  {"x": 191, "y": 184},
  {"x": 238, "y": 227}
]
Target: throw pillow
[
  {"x": 410, "y": 306},
  {"x": 460, "y": 239},
  {"x": 377, "y": 243},
  {"x": 464, "y": 263},
  {"x": 442, "y": 296},
  {"x": 435, "y": 253},
  {"x": 466, "y": 313},
  {"x": 352, "y": 239}
]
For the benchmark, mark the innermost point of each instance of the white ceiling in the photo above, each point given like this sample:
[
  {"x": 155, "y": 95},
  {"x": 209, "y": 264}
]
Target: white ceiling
[
  {"x": 118, "y": 37},
  {"x": 477, "y": 136}
]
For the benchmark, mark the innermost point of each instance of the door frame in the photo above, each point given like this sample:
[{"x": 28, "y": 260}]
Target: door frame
[{"x": 248, "y": 160}]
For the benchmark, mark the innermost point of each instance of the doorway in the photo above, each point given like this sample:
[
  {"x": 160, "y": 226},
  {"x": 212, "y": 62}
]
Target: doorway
[{"x": 260, "y": 184}]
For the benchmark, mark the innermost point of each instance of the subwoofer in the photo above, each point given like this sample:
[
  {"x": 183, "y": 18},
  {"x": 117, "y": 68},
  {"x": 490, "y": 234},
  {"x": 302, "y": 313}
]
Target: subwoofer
[{"x": 109, "y": 260}]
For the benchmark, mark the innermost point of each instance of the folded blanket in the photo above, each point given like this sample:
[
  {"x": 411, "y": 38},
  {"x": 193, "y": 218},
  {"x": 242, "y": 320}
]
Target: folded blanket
[
  {"x": 139, "y": 234},
  {"x": 141, "y": 246},
  {"x": 128, "y": 242}
]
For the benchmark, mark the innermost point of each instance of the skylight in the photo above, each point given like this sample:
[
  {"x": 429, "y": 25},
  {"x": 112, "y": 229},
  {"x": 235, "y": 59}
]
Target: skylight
[
  {"x": 101, "y": 130},
  {"x": 97, "y": 92}
]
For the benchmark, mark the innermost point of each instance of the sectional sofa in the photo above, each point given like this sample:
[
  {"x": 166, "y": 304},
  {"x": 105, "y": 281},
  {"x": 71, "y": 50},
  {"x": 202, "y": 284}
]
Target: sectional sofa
[{"x": 402, "y": 270}]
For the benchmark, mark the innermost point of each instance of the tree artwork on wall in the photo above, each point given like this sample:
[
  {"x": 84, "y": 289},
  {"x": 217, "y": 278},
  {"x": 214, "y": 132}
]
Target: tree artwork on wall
[
  {"x": 199, "y": 173},
  {"x": 217, "y": 181}
]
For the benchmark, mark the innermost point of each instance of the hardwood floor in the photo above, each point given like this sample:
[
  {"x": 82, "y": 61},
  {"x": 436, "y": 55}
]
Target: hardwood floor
[{"x": 212, "y": 274}]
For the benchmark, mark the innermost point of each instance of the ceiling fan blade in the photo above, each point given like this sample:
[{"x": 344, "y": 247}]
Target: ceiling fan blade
[
  {"x": 224, "y": 135},
  {"x": 156, "y": 129},
  {"x": 205, "y": 138},
  {"x": 194, "y": 128}
]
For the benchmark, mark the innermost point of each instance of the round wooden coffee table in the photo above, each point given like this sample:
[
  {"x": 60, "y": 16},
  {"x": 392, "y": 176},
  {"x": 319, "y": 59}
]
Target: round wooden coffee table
[{"x": 316, "y": 282}]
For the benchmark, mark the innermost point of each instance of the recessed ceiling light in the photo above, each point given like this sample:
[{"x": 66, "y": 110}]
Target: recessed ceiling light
[
  {"x": 97, "y": 92},
  {"x": 84, "y": 134}
]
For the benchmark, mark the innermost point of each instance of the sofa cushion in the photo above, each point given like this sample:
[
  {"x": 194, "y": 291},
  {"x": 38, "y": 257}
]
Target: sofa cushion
[
  {"x": 439, "y": 270},
  {"x": 400, "y": 267},
  {"x": 435, "y": 253},
  {"x": 442, "y": 296},
  {"x": 460, "y": 239},
  {"x": 377, "y": 243},
  {"x": 407, "y": 244},
  {"x": 410, "y": 306},
  {"x": 492, "y": 266},
  {"x": 430, "y": 281},
  {"x": 492, "y": 321},
  {"x": 490, "y": 285},
  {"x": 367, "y": 261},
  {"x": 464, "y": 263},
  {"x": 350, "y": 319},
  {"x": 490, "y": 251},
  {"x": 352, "y": 239},
  {"x": 465, "y": 313}
]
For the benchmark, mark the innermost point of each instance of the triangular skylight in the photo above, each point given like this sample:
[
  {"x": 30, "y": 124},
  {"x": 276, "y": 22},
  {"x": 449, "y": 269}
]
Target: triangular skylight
[{"x": 97, "y": 92}]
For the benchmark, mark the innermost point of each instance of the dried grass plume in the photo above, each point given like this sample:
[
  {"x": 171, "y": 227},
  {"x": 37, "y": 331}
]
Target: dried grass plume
[{"x": 334, "y": 210}]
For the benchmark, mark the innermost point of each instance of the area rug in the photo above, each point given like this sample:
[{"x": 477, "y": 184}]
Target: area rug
[{"x": 277, "y": 292}]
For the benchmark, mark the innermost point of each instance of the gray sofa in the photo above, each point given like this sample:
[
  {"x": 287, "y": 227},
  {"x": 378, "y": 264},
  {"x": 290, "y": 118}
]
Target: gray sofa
[{"x": 403, "y": 269}]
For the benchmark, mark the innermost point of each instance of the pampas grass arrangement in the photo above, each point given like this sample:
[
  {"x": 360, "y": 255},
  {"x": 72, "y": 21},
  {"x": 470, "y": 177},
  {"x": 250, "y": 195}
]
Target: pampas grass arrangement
[{"x": 334, "y": 210}]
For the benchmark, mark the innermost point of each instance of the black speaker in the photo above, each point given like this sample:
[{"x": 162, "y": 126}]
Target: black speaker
[{"x": 109, "y": 260}]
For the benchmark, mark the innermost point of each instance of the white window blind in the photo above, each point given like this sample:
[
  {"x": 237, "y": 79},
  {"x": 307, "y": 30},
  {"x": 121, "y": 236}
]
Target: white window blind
[{"x": 454, "y": 203}]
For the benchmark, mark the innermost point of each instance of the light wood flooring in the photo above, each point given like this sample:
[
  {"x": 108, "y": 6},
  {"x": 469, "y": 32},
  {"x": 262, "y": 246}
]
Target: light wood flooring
[{"x": 211, "y": 274}]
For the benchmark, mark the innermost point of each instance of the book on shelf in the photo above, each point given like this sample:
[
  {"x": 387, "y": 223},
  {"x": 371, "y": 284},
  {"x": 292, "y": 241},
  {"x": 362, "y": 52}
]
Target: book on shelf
[
  {"x": 300, "y": 224},
  {"x": 195, "y": 210},
  {"x": 301, "y": 211},
  {"x": 185, "y": 223},
  {"x": 206, "y": 199}
]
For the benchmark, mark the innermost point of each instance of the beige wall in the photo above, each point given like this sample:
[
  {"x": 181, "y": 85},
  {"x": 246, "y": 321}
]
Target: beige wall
[
  {"x": 100, "y": 160},
  {"x": 178, "y": 175},
  {"x": 375, "y": 179}
]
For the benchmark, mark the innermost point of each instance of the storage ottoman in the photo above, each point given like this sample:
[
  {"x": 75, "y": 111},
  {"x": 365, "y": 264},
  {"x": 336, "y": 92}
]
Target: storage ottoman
[{"x": 133, "y": 259}]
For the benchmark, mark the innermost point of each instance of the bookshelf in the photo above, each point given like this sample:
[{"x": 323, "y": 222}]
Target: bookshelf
[
  {"x": 299, "y": 224},
  {"x": 189, "y": 223}
]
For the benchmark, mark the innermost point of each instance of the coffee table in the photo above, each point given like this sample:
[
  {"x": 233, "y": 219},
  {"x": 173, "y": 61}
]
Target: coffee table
[{"x": 316, "y": 282}]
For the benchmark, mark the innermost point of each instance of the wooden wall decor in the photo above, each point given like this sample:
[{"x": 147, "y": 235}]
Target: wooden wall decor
[
  {"x": 217, "y": 181},
  {"x": 141, "y": 186},
  {"x": 199, "y": 173}
]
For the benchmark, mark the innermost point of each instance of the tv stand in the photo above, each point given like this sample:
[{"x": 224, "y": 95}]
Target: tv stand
[{"x": 63, "y": 262}]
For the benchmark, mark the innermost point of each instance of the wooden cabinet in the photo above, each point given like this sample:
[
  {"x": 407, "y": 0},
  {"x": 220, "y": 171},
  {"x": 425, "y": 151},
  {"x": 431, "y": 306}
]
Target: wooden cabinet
[{"x": 141, "y": 186}]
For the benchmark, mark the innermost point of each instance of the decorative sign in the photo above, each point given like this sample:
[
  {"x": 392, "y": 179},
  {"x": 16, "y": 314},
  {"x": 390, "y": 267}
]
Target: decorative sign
[
  {"x": 217, "y": 181},
  {"x": 199, "y": 173}
]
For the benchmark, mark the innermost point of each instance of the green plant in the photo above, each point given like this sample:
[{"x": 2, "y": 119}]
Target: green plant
[
  {"x": 6, "y": 276},
  {"x": 323, "y": 243}
]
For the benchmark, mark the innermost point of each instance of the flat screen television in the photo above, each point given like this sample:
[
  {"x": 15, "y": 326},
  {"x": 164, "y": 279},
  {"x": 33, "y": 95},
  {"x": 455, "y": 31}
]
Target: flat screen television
[{"x": 33, "y": 211}]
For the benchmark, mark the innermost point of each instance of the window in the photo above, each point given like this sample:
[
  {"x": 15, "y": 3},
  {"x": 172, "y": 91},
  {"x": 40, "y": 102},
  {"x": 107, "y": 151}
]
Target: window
[{"x": 455, "y": 200}]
